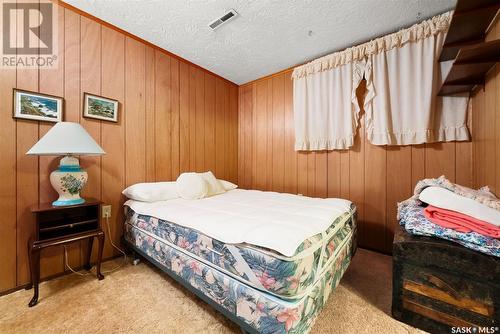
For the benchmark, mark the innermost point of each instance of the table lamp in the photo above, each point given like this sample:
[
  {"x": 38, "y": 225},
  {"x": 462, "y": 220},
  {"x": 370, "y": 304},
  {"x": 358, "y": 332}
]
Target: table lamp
[{"x": 69, "y": 140}]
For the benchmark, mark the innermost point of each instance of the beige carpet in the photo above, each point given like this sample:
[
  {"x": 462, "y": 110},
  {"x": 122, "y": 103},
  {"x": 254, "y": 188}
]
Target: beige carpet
[{"x": 141, "y": 299}]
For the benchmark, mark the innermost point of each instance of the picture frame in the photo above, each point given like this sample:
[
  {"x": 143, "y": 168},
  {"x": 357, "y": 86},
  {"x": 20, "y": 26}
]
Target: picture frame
[
  {"x": 100, "y": 107},
  {"x": 36, "y": 106}
]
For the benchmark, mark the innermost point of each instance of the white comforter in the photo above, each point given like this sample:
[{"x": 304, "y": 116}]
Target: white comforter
[{"x": 277, "y": 221}]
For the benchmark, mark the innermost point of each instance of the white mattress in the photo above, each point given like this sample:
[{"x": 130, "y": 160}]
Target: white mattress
[{"x": 277, "y": 221}]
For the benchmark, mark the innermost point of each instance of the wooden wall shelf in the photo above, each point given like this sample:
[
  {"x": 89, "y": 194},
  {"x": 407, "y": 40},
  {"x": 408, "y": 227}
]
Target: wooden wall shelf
[
  {"x": 470, "y": 67},
  {"x": 468, "y": 25},
  {"x": 465, "y": 43}
]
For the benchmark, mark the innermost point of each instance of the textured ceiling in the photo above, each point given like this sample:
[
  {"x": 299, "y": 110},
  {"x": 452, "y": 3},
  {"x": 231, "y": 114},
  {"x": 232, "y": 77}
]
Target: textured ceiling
[{"x": 267, "y": 36}]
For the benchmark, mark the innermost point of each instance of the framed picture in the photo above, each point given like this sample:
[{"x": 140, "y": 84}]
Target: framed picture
[
  {"x": 36, "y": 106},
  {"x": 99, "y": 107}
]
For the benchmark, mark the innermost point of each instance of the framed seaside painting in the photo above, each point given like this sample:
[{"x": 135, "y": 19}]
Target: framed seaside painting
[
  {"x": 38, "y": 107},
  {"x": 99, "y": 107}
]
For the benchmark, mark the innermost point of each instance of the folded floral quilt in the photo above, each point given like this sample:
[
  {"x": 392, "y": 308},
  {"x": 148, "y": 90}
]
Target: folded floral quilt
[
  {"x": 413, "y": 220},
  {"x": 482, "y": 195}
]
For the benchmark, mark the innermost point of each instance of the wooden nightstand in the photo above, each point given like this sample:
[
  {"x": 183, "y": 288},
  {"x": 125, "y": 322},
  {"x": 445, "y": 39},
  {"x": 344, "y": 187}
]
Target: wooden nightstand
[{"x": 60, "y": 225}]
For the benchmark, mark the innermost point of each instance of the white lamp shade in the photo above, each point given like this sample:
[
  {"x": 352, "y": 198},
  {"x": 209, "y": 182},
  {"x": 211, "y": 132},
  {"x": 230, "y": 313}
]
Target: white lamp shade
[{"x": 66, "y": 138}]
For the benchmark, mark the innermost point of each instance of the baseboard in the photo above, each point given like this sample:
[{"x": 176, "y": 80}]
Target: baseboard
[{"x": 48, "y": 278}]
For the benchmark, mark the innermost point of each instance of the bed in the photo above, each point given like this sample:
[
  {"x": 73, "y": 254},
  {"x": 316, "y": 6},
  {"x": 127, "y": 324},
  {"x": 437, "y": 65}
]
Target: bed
[{"x": 226, "y": 250}]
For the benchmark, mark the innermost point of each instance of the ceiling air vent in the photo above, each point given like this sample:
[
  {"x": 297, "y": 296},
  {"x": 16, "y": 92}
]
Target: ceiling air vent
[{"x": 223, "y": 19}]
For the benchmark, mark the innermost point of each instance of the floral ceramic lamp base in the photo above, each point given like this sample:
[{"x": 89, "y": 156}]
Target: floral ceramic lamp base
[{"x": 68, "y": 180}]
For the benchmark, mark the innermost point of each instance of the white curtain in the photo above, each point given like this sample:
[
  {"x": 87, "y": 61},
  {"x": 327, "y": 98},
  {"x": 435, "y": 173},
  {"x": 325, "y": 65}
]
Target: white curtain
[
  {"x": 403, "y": 77},
  {"x": 402, "y": 106},
  {"x": 325, "y": 108}
]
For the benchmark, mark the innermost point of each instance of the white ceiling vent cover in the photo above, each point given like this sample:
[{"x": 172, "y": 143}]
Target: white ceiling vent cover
[{"x": 231, "y": 14}]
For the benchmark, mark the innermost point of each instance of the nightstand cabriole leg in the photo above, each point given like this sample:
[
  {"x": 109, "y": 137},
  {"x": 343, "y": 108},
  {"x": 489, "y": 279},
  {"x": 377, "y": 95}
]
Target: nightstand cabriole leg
[
  {"x": 35, "y": 274},
  {"x": 100, "y": 237},
  {"x": 30, "y": 261},
  {"x": 88, "y": 254}
]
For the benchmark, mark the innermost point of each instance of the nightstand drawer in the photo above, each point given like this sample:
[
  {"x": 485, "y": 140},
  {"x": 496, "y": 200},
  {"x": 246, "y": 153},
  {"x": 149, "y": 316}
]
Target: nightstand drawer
[
  {"x": 67, "y": 221},
  {"x": 57, "y": 231}
]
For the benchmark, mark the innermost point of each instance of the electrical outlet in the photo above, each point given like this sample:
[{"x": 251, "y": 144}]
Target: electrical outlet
[{"x": 106, "y": 211}]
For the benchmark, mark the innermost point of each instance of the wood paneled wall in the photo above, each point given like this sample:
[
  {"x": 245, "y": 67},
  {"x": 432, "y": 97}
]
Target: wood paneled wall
[
  {"x": 173, "y": 117},
  {"x": 374, "y": 177},
  {"x": 486, "y": 126}
]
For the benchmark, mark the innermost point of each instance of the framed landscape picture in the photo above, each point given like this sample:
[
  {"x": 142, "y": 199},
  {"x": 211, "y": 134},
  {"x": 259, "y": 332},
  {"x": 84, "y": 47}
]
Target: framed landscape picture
[
  {"x": 99, "y": 107},
  {"x": 36, "y": 106}
]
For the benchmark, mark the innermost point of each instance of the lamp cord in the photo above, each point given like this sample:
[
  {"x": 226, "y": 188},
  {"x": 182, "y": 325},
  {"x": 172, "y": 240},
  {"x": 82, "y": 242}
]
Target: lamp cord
[{"x": 112, "y": 244}]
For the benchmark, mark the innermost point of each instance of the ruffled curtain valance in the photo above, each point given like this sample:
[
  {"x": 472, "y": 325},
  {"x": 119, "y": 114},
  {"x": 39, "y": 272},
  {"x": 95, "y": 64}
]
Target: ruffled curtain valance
[{"x": 435, "y": 25}]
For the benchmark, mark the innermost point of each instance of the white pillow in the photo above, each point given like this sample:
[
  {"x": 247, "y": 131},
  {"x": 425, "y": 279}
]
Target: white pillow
[
  {"x": 214, "y": 186},
  {"x": 445, "y": 199},
  {"x": 227, "y": 185},
  {"x": 151, "y": 192},
  {"x": 191, "y": 186}
]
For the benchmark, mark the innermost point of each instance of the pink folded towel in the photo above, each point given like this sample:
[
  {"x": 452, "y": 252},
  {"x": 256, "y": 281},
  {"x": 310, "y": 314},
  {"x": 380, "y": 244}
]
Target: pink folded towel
[{"x": 460, "y": 222}]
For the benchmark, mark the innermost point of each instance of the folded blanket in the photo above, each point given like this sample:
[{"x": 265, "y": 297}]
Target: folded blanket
[
  {"x": 414, "y": 222},
  {"x": 460, "y": 222},
  {"x": 482, "y": 195},
  {"x": 446, "y": 199}
]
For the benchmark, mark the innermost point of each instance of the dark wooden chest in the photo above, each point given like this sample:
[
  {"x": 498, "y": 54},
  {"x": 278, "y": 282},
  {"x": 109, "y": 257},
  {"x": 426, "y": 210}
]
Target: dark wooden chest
[{"x": 442, "y": 287}]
